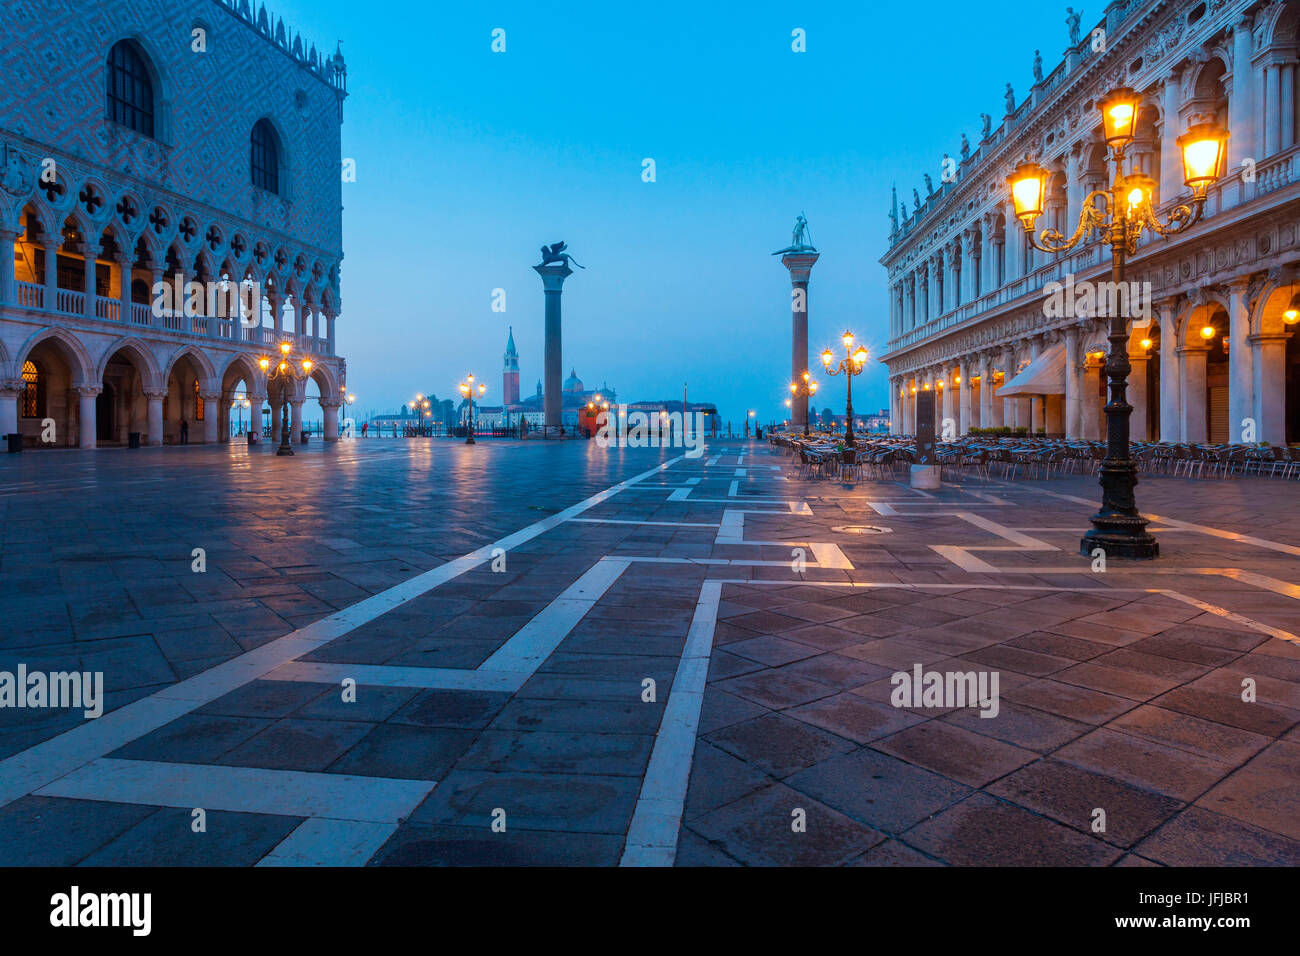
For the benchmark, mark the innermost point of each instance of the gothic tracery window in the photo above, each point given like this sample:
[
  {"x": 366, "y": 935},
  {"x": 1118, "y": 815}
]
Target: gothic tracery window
[
  {"x": 198, "y": 402},
  {"x": 33, "y": 391},
  {"x": 130, "y": 89}
]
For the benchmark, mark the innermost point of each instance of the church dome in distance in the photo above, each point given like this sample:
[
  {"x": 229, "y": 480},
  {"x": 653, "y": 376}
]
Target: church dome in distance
[{"x": 573, "y": 383}]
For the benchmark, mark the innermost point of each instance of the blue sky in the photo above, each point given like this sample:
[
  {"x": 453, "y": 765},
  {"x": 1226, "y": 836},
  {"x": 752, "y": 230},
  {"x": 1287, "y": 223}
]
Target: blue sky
[{"x": 468, "y": 160}]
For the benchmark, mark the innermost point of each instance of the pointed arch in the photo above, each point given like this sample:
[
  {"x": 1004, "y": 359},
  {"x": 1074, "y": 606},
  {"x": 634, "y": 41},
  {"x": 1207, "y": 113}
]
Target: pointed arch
[
  {"x": 73, "y": 352},
  {"x": 196, "y": 355},
  {"x": 146, "y": 362}
]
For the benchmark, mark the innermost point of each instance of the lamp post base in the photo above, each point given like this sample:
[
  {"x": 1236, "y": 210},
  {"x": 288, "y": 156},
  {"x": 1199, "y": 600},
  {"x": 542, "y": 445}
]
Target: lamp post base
[
  {"x": 1120, "y": 536},
  {"x": 284, "y": 450}
]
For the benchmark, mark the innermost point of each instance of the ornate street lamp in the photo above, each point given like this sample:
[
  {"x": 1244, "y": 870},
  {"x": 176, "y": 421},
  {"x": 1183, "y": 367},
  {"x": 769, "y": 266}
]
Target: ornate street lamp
[
  {"x": 284, "y": 374},
  {"x": 1118, "y": 529},
  {"x": 808, "y": 388},
  {"x": 467, "y": 391},
  {"x": 853, "y": 364}
]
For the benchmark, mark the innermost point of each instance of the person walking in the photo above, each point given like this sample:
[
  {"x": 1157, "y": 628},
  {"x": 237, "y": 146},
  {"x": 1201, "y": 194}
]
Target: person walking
[{"x": 185, "y": 432}]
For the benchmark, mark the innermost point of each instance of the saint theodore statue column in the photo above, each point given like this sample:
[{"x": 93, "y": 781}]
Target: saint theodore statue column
[{"x": 799, "y": 258}]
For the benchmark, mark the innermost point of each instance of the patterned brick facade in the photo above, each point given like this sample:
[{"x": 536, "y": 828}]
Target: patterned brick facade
[{"x": 150, "y": 207}]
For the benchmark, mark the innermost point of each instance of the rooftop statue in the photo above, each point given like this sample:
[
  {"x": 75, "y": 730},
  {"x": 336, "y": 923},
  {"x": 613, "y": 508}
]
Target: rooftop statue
[
  {"x": 1011, "y": 100},
  {"x": 929, "y": 185},
  {"x": 555, "y": 253},
  {"x": 1038, "y": 67},
  {"x": 1072, "y": 20},
  {"x": 965, "y": 147},
  {"x": 987, "y": 122}
]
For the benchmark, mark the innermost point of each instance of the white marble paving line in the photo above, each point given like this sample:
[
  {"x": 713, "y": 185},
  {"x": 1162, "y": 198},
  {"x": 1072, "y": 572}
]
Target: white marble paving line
[
  {"x": 537, "y": 640},
  {"x": 42, "y": 763},
  {"x": 291, "y": 793},
  {"x": 1223, "y": 612},
  {"x": 320, "y": 841},
  {"x": 1192, "y": 526},
  {"x": 386, "y": 675},
  {"x": 673, "y": 524},
  {"x": 657, "y": 819},
  {"x": 732, "y": 531}
]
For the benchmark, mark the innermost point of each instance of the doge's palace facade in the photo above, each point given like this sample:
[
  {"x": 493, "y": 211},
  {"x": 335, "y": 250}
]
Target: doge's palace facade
[
  {"x": 161, "y": 160},
  {"x": 969, "y": 297}
]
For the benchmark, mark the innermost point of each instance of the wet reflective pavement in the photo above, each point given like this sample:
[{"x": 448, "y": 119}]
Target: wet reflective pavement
[{"x": 417, "y": 652}]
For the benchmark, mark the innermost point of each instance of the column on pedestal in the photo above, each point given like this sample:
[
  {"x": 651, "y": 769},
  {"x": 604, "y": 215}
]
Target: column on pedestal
[
  {"x": 90, "y": 249},
  {"x": 986, "y": 391},
  {"x": 212, "y": 414},
  {"x": 1241, "y": 377},
  {"x": 1073, "y": 384},
  {"x": 9, "y": 392},
  {"x": 87, "y": 395},
  {"x": 1137, "y": 393},
  {"x": 331, "y": 413},
  {"x": 1090, "y": 401},
  {"x": 1243, "y": 144},
  {"x": 1269, "y": 352},
  {"x": 155, "y": 398},
  {"x": 947, "y": 413},
  {"x": 295, "y": 420},
  {"x": 52, "y": 274},
  {"x": 799, "y": 265},
  {"x": 255, "y": 405},
  {"x": 1170, "y": 375},
  {"x": 7, "y": 288},
  {"x": 962, "y": 384},
  {"x": 1011, "y": 404},
  {"x": 1192, "y": 404}
]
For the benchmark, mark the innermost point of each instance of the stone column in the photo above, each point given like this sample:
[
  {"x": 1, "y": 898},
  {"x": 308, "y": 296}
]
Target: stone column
[
  {"x": 1137, "y": 394},
  {"x": 155, "y": 283},
  {"x": 295, "y": 420},
  {"x": 1053, "y": 412},
  {"x": 1014, "y": 242},
  {"x": 331, "y": 412},
  {"x": 1192, "y": 404},
  {"x": 553, "y": 277},
  {"x": 7, "y": 289},
  {"x": 9, "y": 392},
  {"x": 986, "y": 391},
  {"x": 1272, "y": 109},
  {"x": 1073, "y": 383},
  {"x": 255, "y": 405},
  {"x": 212, "y": 414},
  {"x": 1241, "y": 377},
  {"x": 912, "y": 389},
  {"x": 124, "y": 262},
  {"x": 946, "y": 389},
  {"x": 1010, "y": 405},
  {"x": 1090, "y": 402},
  {"x": 799, "y": 265},
  {"x": 51, "y": 276},
  {"x": 1170, "y": 376},
  {"x": 1241, "y": 100},
  {"x": 90, "y": 249},
  {"x": 86, "y": 420},
  {"x": 1270, "y": 390},
  {"x": 933, "y": 287},
  {"x": 155, "y": 398},
  {"x": 963, "y": 396}
]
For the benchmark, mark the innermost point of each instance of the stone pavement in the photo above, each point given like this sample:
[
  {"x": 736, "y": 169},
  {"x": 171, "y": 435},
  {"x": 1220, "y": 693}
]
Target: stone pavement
[{"x": 567, "y": 655}]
